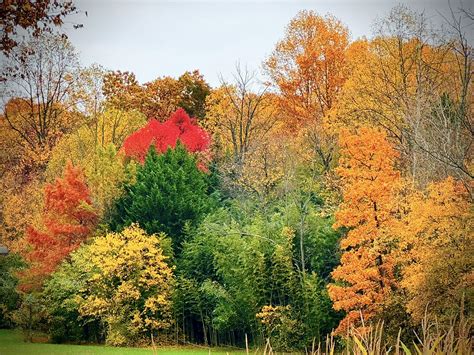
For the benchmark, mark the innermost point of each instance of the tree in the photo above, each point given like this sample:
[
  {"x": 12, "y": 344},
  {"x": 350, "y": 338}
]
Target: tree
[
  {"x": 35, "y": 17},
  {"x": 95, "y": 149},
  {"x": 61, "y": 296},
  {"x": 414, "y": 84},
  {"x": 239, "y": 115},
  {"x": 365, "y": 278},
  {"x": 179, "y": 127},
  {"x": 68, "y": 219},
  {"x": 38, "y": 89},
  {"x": 244, "y": 124},
  {"x": 10, "y": 299},
  {"x": 436, "y": 242},
  {"x": 169, "y": 191},
  {"x": 194, "y": 91},
  {"x": 128, "y": 284},
  {"x": 159, "y": 98},
  {"x": 308, "y": 68},
  {"x": 122, "y": 90},
  {"x": 243, "y": 258}
]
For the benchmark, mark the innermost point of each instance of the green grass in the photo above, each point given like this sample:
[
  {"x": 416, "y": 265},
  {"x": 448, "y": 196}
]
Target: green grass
[{"x": 11, "y": 343}]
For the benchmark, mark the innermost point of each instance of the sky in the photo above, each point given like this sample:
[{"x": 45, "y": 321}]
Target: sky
[{"x": 166, "y": 38}]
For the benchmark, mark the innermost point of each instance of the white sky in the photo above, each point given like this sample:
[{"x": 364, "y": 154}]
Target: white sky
[{"x": 156, "y": 38}]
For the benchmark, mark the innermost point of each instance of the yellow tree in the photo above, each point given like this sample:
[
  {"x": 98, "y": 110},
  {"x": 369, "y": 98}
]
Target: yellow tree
[
  {"x": 417, "y": 89},
  {"x": 436, "y": 247},
  {"x": 129, "y": 284},
  {"x": 365, "y": 279}
]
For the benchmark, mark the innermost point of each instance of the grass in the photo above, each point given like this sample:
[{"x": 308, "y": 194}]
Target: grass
[{"x": 11, "y": 343}]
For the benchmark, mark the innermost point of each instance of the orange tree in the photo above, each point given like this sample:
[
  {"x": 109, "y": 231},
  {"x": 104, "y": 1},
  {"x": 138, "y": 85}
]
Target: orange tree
[{"x": 365, "y": 278}]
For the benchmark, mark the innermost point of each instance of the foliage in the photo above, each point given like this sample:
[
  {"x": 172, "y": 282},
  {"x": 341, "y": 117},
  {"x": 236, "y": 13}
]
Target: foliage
[
  {"x": 34, "y": 16},
  {"x": 194, "y": 91},
  {"x": 179, "y": 127},
  {"x": 61, "y": 295},
  {"x": 436, "y": 242},
  {"x": 68, "y": 219},
  {"x": 242, "y": 259},
  {"x": 365, "y": 277},
  {"x": 159, "y": 98},
  {"x": 9, "y": 297},
  {"x": 309, "y": 66},
  {"x": 246, "y": 129},
  {"x": 94, "y": 149},
  {"x": 399, "y": 81},
  {"x": 169, "y": 192},
  {"x": 128, "y": 284},
  {"x": 30, "y": 315},
  {"x": 41, "y": 77}
]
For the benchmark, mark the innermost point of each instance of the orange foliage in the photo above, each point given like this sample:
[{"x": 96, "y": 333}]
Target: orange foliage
[
  {"x": 309, "y": 66},
  {"x": 68, "y": 218},
  {"x": 369, "y": 184},
  {"x": 436, "y": 249}
]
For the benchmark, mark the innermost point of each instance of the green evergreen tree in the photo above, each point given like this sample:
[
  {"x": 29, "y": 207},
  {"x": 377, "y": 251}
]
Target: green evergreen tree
[{"x": 170, "y": 194}]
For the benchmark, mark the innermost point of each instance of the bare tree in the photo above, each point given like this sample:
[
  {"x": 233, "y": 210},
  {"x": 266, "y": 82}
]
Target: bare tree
[
  {"x": 447, "y": 132},
  {"x": 39, "y": 78},
  {"x": 251, "y": 113}
]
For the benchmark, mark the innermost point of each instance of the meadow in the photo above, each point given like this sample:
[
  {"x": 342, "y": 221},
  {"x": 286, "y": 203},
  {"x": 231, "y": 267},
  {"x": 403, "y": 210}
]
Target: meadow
[{"x": 12, "y": 343}]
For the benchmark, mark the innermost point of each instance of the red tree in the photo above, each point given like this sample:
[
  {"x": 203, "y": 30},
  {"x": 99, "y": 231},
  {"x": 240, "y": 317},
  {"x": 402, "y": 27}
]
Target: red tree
[
  {"x": 68, "y": 218},
  {"x": 163, "y": 135}
]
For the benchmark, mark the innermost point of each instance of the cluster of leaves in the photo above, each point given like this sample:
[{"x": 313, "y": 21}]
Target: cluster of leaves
[
  {"x": 242, "y": 260},
  {"x": 68, "y": 219},
  {"x": 168, "y": 194},
  {"x": 34, "y": 16},
  {"x": 179, "y": 127},
  {"x": 160, "y": 97}
]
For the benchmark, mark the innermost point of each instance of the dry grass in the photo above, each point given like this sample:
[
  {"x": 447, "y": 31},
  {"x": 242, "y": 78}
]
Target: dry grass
[{"x": 433, "y": 339}]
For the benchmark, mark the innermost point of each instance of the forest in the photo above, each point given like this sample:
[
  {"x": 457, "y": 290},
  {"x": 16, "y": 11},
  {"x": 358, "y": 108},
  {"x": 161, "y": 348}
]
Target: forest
[{"x": 320, "y": 204}]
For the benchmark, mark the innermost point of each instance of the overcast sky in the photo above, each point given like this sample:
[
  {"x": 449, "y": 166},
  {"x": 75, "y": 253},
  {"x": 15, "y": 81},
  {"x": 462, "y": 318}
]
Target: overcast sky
[{"x": 157, "y": 38}]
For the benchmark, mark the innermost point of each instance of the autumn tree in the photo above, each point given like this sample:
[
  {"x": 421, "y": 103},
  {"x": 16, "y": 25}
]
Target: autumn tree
[
  {"x": 38, "y": 89},
  {"x": 36, "y": 17},
  {"x": 178, "y": 127},
  {"x": 308, "y": 68},
  {"x": 95, "y": 148},
  {"x": 194, "y": 91},
  {"x": 436, "y": 244},
  {"x": 244, "y": 122},
  {"x": 415, "y": 85},
  {"x": 128, "y": 284},
  {"x": 365, "y": 278},
  {"x": 68, "y": 219},
  {"x": 88, "y": 95},
  {"x": 122, "y": 90},
  {"x": 158, "y": 98}
]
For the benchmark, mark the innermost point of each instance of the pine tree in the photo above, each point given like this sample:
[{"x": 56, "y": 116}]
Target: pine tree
[{"x": 170, "y": 192}]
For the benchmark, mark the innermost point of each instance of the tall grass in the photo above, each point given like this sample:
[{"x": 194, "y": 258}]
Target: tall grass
[{"x": 432, "y": 339}]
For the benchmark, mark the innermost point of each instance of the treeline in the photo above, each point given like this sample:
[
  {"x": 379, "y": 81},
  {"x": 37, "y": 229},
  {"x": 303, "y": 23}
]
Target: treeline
[{"x": 334, "y": 196}]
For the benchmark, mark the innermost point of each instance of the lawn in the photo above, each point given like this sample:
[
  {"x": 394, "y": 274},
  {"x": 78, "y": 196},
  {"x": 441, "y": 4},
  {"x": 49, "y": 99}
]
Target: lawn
[{"x": 11, "y": 342}]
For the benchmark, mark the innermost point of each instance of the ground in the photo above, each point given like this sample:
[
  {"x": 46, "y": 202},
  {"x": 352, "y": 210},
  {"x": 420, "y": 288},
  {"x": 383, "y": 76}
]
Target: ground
[{"x": 11, "y": 343}]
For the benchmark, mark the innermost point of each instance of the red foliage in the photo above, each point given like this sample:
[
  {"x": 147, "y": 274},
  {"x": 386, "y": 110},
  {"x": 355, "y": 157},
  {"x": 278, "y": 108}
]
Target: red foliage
[
  {"x": 163, "y": 135},
  {"x": 68, "y": 219}
]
